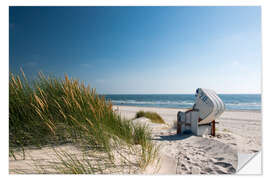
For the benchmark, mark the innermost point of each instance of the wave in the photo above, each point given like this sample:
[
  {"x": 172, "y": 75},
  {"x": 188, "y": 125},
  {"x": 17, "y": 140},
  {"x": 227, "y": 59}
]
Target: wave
[
  {"x": 152, "y": 102},
  {"x": 183, "y": 103},
  {"x": 243, "y": 104}
]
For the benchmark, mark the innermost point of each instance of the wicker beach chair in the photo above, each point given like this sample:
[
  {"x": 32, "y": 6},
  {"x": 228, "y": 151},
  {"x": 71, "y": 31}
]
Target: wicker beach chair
[{"x": 200, "y": 120}]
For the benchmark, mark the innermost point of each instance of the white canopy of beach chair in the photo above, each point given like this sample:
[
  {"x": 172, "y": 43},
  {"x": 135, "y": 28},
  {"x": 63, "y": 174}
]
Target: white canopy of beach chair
[{"x": 209, "y": 105}]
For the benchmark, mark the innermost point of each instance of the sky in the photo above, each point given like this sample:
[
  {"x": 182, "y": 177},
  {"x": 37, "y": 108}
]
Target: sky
[{"x": 141, "y": 50}]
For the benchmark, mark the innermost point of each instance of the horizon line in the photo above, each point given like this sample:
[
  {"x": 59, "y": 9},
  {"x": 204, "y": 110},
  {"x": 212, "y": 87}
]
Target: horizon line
[{"x": 176, "y": 93}]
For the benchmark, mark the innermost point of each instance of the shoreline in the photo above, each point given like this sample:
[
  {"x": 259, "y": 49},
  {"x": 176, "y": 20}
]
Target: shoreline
[{"x": 171, "y": 108}]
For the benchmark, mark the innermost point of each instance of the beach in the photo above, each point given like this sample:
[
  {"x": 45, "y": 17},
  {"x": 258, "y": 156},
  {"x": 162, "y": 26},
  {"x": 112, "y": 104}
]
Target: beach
[
  {"x": 238, "y": 131},
  {"x": 99, "y": 89}
]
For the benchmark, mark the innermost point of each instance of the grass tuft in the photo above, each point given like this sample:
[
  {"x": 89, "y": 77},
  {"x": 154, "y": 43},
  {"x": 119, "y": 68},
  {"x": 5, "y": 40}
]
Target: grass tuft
[
  {"x": 153, "y": 116},
  {"x": 51, "y": 111}
]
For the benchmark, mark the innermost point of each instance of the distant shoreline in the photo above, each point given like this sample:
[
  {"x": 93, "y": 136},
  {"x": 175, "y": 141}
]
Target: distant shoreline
[
  {"x": 229, "y": 110},
  {"x": 244, "y": 102},
  {"x": 181, "y": 94}
]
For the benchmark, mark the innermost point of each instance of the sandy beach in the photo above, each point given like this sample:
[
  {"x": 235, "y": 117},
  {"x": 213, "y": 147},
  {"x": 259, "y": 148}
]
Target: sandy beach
[
  {"x": 237, "y": 132},
  {"x": 99, "y": 89}
]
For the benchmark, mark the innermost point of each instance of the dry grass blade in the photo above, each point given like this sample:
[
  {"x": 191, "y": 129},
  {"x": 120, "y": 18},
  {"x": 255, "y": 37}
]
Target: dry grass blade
[
  {"x": 54, "y": 111},
  {"x": 153, "y": 116}
]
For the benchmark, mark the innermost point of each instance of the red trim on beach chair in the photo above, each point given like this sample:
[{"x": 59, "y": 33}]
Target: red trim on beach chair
[
  {"x": 178, "y": 128},
  {"x": 213, "y": 129}
]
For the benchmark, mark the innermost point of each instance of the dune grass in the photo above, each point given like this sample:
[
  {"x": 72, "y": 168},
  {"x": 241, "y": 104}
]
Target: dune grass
[
  {"x": 153, "y": 116},
  {"x": 67, "y": 163},
  {"x": 56, "y": 111}
]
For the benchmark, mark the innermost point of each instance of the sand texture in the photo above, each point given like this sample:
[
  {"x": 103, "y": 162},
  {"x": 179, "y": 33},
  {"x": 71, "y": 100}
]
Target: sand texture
[{"x": 237, "y": 132}]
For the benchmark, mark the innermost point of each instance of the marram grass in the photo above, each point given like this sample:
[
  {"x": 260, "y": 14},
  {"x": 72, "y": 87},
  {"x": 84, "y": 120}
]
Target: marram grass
[
  {"x": 51, "y": 111},
  {"x": 153, "y": 116}
]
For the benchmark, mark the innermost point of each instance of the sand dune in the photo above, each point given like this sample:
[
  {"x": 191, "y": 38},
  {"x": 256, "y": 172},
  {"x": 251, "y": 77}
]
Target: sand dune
[{"x": 237, "y": 132}]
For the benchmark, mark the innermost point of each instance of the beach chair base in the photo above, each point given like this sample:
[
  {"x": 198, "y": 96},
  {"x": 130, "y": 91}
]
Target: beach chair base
[{"x": 188, "y": 122}]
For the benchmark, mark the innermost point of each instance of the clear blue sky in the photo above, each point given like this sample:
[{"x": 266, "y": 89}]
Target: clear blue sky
[{"x": 141, "y": 49}]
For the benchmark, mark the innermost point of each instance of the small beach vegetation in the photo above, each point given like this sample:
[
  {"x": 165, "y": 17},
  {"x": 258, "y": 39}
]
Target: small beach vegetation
[{"x": 153, "y": 116}]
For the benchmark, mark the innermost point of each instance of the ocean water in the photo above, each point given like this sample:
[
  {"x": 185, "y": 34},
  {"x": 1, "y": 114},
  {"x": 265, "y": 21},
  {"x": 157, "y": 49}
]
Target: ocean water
[{"x": 232, "y": 101}]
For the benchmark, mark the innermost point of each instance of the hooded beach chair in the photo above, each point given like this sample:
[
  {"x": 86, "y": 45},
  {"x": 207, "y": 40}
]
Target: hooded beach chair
[{"x": 200, "y": 120}]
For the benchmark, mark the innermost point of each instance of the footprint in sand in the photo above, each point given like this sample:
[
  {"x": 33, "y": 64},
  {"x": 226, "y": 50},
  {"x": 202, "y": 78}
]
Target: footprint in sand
[
  {"x": 219, "y": 171},
  {"x": 219, "y": 158},
  {"x": 228, "y": 167},
  {"x": 223, "y": 164}
]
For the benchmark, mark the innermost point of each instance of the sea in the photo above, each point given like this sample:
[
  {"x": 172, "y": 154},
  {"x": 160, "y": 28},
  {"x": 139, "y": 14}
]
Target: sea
[{"x": 231, "y": 101}]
